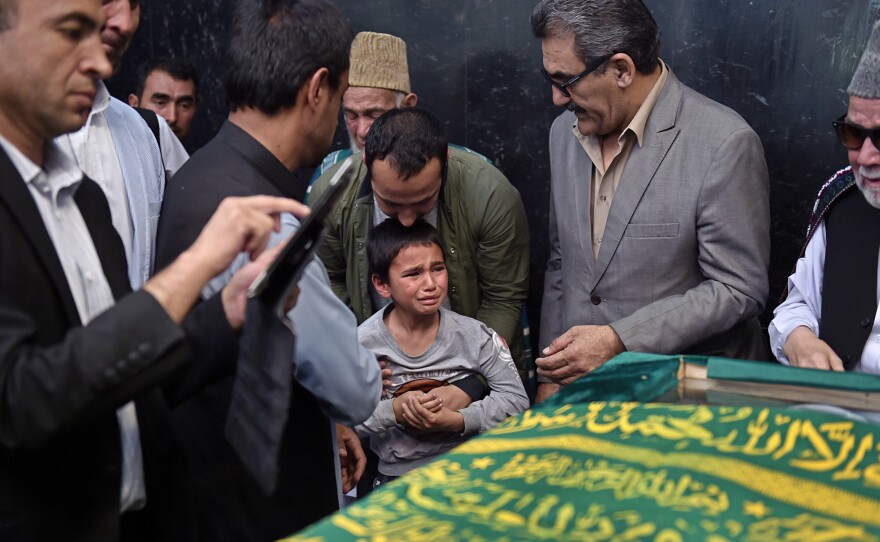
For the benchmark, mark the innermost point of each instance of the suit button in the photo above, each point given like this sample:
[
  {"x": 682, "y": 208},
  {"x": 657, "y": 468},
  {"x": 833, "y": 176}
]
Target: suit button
[
  {"x": 145, "y": 348},
  {"x": 134, "y": 358},
  {"x": 111, "y": 374},
  {"x": 595, "y": 299},
  {"x": 866, "y": 322}
]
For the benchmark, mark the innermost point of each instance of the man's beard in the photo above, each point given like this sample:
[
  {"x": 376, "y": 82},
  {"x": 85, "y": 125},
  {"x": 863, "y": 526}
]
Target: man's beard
[{"x": 872, "y": 194}]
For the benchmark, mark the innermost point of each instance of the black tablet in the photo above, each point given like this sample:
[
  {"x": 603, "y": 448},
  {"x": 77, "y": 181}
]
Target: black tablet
[{"x": 274, "y": 285}]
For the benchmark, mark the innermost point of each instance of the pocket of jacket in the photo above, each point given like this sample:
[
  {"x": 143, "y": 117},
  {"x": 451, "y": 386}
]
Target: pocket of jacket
[{"x": 646, "y": 231}]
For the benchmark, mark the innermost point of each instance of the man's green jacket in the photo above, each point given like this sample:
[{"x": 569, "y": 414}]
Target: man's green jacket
[{"x": 482, "y": 222}]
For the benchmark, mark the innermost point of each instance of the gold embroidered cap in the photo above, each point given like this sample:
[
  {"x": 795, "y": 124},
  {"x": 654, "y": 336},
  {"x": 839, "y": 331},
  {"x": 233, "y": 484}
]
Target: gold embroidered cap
[{"x": 379, "y": 61}]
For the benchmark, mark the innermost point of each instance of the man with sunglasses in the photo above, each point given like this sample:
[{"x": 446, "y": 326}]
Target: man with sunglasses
[
  {"x": 659, "y": 213},
  {"x": 829, "y": 318}
]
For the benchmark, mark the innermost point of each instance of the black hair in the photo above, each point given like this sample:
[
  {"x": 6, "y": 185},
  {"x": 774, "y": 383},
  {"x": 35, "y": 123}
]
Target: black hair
[
  {"x": 277, "y": 45},
  {"x": 408, "y": 138},
  {"x": 602, "y": 28},
  {"x": 179, "y": 69},
  {"x": 390, "y": 237}
]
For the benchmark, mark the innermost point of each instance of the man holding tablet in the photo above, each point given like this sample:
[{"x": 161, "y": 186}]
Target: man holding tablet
[{"x": 283, "y": 118}]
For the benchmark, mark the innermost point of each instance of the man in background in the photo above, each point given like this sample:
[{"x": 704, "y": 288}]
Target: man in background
[
  {"x": 169, "y": 87},
  {"x": 378, "y": 82}
]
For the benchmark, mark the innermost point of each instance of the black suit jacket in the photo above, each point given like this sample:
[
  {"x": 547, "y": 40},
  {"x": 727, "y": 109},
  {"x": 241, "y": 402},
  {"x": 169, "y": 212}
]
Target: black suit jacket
[
  {"x": 61, "y": 383},
  {"x": 230, "y": 504}
]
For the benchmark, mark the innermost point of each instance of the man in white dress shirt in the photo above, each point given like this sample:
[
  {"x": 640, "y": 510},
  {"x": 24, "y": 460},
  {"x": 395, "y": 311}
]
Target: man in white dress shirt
[
  {"x": 117, "y": 149},
  {"x": 829, "y": 319}
]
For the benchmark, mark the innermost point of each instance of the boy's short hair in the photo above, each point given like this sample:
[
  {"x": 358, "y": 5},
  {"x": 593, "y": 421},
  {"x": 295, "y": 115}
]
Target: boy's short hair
[{"x": 390, "y": 237}]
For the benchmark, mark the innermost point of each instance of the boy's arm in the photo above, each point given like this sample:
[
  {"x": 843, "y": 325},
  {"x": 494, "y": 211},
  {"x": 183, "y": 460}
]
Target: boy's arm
[
  {"x": 507, "y": 396},
  {"x": 382, "y": 419}
]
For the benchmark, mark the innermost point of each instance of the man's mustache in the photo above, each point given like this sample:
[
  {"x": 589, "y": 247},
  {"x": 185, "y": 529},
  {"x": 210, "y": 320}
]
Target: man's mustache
[{"x": 575, "y": 109}]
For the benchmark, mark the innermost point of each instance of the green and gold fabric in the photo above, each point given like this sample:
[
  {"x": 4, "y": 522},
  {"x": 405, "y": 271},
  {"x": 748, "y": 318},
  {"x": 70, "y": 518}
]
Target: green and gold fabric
[{"x": 598, "y": 466}]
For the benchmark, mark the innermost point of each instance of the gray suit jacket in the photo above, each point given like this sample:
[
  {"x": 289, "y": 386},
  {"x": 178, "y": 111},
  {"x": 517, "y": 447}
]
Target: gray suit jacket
[{"x": 683, "y": 262}]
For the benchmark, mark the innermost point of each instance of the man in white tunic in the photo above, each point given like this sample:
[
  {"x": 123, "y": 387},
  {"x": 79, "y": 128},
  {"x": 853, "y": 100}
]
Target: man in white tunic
[{"x": 829, "y": 319}]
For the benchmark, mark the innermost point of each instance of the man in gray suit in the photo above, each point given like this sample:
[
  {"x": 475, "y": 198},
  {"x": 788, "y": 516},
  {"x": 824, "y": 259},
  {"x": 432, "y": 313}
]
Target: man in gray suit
[{"x": 659, "y": 211}]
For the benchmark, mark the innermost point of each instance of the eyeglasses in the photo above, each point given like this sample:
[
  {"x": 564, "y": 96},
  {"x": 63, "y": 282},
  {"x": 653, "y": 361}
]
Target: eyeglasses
[
  {"x": 852, "y": 136},
  {"x": 563, "y": 87}
]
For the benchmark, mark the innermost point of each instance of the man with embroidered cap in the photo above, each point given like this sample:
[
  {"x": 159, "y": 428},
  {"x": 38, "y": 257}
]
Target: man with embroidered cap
[
  {"x": 487, "y": 243},
  {"x": 659, "y": 208},
  {"x": 379, "y": 82},
  {"x": 829, "y": 319}
]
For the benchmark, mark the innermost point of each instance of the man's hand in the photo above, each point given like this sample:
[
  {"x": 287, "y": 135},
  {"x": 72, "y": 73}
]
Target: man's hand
[
  {"x": 804, "y": 349},
  {"x": 351, "y": 457},
  {"x": 235, "y": 293},
  {"x": 577, "y": 352},
  {"x": 239, "y": 224},
  {"x": 545, "y": 390}
]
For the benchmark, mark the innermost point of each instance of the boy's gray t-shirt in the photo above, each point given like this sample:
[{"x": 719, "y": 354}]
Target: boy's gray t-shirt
[{"x": 463, "y": 346}]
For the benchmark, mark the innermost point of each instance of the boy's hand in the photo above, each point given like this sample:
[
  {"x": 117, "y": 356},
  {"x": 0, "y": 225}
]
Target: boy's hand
[
  {"x": 453, "y": 397},
  {"x": 427, "y": 400},
  {"x": 416, "y": 415}
]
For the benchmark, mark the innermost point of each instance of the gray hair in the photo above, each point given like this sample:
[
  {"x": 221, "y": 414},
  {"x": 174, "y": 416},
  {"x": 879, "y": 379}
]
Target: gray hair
[{"x": 601, "y": 28}]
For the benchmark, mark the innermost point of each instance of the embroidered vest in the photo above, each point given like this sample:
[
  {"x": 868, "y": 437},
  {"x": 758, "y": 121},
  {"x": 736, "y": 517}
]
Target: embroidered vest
[{"x": 849, "y": 287}]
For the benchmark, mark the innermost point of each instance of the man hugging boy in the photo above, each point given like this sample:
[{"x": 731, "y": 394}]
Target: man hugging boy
[{"x": 427, "y": 346}]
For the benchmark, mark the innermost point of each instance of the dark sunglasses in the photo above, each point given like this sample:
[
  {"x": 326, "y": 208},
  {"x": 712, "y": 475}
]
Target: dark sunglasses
[
  {"x": 563, "y": 87},
  {"x": 852, "y": 136}
]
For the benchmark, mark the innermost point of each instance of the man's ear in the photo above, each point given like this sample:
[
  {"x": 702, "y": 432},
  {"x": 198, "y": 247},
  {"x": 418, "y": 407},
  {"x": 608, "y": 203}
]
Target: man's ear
[
  {"x": 410, "y": 100},
  {"x": 623, "y": 68},
  {"x": 318, "y": 88},
  {"x": 133, "y": 100},
  {"x": 380, "y": 286}
]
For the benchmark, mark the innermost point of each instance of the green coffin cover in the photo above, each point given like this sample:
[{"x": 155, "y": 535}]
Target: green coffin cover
[{"x": 594, "y": 465}]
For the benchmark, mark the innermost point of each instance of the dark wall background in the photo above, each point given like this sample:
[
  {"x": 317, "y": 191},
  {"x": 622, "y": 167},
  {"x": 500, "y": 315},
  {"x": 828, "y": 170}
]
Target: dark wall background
[{"x": 784, "y": 65}]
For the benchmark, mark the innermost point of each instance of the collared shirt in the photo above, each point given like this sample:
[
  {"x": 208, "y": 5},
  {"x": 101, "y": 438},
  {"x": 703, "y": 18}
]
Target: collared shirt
[
  {"x": 604, "y": 181},
  {"x": 94, "y": 152},
  {"x": 803, "y": 306},
  {"x": 120, "y": 162},
  {"x": 52, "y": 188}
]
